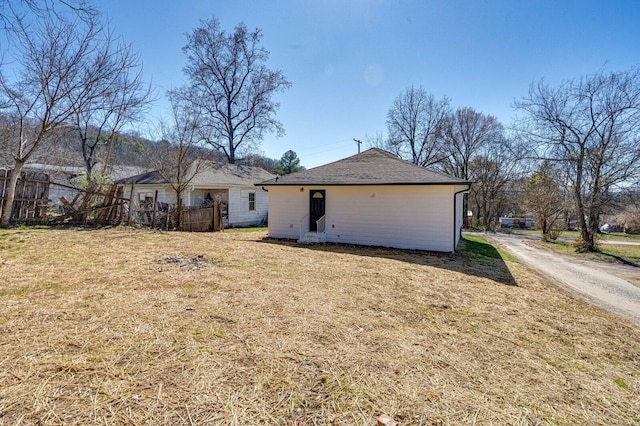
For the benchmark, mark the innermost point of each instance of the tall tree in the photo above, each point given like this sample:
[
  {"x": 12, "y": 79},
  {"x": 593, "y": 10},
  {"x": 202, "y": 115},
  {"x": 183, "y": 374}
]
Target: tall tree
[
  {"x": 289, "y": 163},
  {"x": 466, "y": 134},
  {"x": 53, "y": 66},
  {"x": 229, "y": 80},
  {"x": 413, "y": 122},
  {"x": 544, "y": 196},
  {"x": 492, "y": 170},
  {"x": 120, "y": 99},
  {"x": 178, "y": 157},
  {"x": 592, "y": 125}
]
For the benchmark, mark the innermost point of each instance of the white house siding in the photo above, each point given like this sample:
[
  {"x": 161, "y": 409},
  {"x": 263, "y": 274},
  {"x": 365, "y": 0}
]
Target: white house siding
[
  {"x": 238, "y": 208},
  {"x": 287, "y": 207},
  {"x": 410, "y": 217},
  {"x": 164, "y": 195}
]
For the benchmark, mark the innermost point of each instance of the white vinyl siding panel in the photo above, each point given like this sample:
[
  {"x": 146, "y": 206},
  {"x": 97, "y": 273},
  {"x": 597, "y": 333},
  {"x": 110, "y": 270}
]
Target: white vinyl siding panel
[
  {"x": 238, "y": 208},
  {"x": 287, "y": 207},
  {"x": 411, "y": 217},
  {"x": 167, "y": 196}
]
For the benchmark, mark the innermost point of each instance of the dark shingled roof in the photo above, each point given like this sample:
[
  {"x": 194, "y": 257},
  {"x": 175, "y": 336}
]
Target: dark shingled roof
[{"x": 372, "y": 167}]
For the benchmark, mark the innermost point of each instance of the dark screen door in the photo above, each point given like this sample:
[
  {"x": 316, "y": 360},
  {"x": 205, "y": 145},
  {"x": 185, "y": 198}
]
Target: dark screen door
[{"x": 316, "y": 208}]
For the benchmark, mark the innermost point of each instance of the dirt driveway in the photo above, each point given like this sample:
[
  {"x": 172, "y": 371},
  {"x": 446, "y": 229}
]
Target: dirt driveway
[{"x": 610, "y": 286}]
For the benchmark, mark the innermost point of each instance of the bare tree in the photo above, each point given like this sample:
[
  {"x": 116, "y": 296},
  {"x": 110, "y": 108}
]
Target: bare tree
[
  {"x": 492, "y": 170},
  {"x": 178, "y": 157},
  {"x": 544, "y": 196},
  {"x": 229, "y": 80},
  {"x": 258, "y": 160},
  {"x": 465, "y": 134},
  {"x": 377, "y": 140},
  {"x": 592, "y": 125},
  {"x": 413, "y": 122},
  {"x": 120, "y": 99},
  {"x": 9, "y": 9},
  {"x": 53, "y": 68}
]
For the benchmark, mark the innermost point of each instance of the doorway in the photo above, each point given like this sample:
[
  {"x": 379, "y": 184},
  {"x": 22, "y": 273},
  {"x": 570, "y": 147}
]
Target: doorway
[{"x": 316, "y": 208}]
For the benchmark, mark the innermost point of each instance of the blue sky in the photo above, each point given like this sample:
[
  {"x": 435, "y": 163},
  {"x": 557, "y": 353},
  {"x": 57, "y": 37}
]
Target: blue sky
[{"x": 349, "y": 59}]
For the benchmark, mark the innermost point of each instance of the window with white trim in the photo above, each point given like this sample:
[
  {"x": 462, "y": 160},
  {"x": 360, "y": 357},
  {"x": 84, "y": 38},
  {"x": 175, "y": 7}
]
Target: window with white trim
[{"x": 252, "y": 201}]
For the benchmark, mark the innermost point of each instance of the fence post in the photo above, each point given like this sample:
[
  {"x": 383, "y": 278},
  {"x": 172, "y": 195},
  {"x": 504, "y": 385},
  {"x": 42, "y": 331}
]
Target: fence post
[
  {"x": 131, "y": 205},
  {"x": 155, "y": 207}
]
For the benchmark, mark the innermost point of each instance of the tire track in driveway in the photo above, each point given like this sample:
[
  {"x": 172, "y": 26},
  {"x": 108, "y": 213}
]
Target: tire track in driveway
[{"x": 591, "y": 280}]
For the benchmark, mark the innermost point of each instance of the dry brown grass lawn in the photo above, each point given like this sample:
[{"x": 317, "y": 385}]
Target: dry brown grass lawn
[{"x": 136, "y": 327}]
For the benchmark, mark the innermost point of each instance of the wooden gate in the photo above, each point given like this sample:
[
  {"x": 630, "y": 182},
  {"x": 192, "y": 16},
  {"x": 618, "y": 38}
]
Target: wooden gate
[
  {"x": 202, "y": 219},
  {"x": 31, "y": 196}
]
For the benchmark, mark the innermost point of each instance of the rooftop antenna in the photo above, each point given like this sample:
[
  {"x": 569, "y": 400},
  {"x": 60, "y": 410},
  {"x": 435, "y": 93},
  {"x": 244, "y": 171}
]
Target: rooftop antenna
[{"x": 358, "y": 142}]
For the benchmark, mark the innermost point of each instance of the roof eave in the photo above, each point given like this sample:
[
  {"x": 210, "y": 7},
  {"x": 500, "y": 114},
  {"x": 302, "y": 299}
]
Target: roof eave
[{"x": 364, "y": 184}]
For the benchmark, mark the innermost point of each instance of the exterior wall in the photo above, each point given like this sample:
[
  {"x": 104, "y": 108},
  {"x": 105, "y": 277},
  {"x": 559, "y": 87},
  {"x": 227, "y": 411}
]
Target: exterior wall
[
  {"x": 410, "y": 217},
  {"x": 237, "y": 200},
  {"x": 287, "y": 207},
  {"x": 238, "y": 208},
  {"x": 165, "y": 195}
]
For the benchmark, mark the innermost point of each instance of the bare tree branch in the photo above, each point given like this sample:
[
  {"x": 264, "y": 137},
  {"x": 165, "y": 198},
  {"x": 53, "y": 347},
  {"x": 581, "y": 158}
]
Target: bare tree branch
[
  {"x": 592, "y": 125},
  {"x": 413, "y": 123},
  {"x": 229, "y": 80}
]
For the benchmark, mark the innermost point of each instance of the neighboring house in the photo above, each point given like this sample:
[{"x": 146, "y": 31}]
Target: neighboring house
[
  {"x": 231, "y": 184},
  {"x": 372, "y": 198}
]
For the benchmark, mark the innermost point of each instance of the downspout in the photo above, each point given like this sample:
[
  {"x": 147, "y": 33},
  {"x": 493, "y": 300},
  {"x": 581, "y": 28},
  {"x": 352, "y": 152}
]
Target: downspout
[{"x": 455, "y": 197}]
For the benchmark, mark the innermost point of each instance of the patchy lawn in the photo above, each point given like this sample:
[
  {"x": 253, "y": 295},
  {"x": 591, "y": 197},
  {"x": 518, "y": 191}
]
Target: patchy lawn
[
  {"x": 138, "y": 327},
  {"x": 573, "y": 235},
  {"x": 613, "y": 253}
]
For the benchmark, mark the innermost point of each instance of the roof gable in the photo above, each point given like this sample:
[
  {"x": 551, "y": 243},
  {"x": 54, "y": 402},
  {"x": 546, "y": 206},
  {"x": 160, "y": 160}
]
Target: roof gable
[{"x": 371, "y": 167}]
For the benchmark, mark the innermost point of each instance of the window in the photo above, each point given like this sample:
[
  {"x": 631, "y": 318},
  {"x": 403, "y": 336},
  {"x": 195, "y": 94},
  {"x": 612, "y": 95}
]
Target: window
[{"x": 252, "y": 201}]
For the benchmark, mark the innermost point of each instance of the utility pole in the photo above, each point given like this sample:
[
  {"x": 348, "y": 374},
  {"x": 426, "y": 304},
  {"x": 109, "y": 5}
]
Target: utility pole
[{"x": 358, "y": 142}]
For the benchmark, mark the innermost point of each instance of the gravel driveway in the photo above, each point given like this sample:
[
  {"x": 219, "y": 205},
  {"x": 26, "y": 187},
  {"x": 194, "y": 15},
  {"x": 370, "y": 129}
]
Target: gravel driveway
[{"x": 606, "y": 285}]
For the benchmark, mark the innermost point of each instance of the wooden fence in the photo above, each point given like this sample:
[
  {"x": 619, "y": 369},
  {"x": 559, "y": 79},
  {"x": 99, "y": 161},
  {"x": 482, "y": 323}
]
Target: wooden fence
[
  {"x": 94, "y": 207},
  {"x": 97, "y": 206},
  {"x": 202, "y": 219},
  {"x": 163, "y": 216},
  {"x": 31, "y": 196}
]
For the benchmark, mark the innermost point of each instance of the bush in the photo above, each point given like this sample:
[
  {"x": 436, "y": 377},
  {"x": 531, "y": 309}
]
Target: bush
[{"x": 554, "y": 234}]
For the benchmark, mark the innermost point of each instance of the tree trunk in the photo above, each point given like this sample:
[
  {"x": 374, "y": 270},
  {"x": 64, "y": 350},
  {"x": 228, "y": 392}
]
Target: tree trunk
[
  {"x": 179, "y": 211},
  {"x": 587, "y": 243},
  {"x": 7, "y": 209}
]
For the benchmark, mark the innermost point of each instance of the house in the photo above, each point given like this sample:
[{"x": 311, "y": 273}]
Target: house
[
  {"x": 372, "y": 198},
  {"x": 231, "y": 184}
]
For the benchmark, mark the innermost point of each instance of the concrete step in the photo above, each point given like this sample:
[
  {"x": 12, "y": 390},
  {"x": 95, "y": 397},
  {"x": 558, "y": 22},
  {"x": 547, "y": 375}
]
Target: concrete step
[{"x": 313, "y": 237}]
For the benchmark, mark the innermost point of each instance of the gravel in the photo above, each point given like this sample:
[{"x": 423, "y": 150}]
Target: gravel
[{"x": 607, "y": 286}]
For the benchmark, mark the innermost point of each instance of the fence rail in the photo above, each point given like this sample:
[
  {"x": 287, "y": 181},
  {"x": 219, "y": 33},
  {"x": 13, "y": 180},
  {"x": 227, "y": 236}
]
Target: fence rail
[{"x": 101, "y": 206}]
